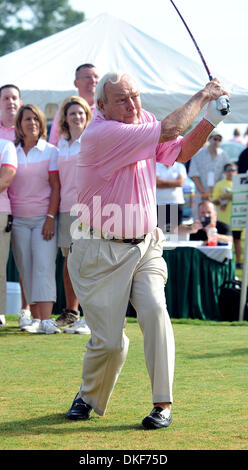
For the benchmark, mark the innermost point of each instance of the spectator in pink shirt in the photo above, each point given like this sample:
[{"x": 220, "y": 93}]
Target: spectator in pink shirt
[
  {"x": 8, "y": 165},
  {"x": 237, "y": 137},
  {"x": 117, "y": 256},
  {"x": 34, "y": 195},
  {"x": 86, "y": 79},
  {"x": 75, "y": 115},
  {"x": 10, "y": 102}
]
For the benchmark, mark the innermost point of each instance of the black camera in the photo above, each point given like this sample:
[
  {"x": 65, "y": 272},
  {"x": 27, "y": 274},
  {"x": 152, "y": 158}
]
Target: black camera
[
  {"x": 205, "y": 221},
  {"x": 9, "y": 223}
]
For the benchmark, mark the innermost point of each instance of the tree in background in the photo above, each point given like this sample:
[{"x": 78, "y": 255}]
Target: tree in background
[{"x": 24, "y": 22}]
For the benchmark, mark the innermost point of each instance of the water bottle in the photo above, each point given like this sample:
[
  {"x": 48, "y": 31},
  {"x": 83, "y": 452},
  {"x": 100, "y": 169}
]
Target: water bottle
[{"x": 212, "y": 235}]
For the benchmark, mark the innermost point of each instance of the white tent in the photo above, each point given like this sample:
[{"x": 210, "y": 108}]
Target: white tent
[{"x": 44, "y": 70}]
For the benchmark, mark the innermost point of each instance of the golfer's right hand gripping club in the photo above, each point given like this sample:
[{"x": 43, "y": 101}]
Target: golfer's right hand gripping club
[{"x": 222, "y": 103}]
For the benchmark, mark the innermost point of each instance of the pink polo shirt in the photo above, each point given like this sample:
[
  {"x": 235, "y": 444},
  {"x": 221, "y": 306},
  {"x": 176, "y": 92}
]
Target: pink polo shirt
[
  {"x": 7, "y": 133},
  {"x": 30, "y": 190},
  {"x": 54, "y": 135},
  {"x": 8, "y": 157},
  {"x": 116, "y": 175},
  {"x": 67, "y": 160}
]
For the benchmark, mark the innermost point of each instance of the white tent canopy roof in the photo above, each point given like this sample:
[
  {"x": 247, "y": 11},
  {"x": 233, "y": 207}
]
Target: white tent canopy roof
[{"x": 44, "y": 70}]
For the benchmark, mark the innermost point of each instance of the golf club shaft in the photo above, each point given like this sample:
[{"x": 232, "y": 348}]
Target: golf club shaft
[
  {"x": 222, "y": 102},
  {"x": 194, "y": 41}
]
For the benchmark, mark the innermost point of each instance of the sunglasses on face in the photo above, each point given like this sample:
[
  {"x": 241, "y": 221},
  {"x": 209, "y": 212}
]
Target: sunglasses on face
[
  {"x": 217, "y": 139},
  {"x": 231, "y": 169}
]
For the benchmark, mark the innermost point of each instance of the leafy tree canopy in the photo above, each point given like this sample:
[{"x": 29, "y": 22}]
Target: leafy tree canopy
[{"x": 23, "y": 22}]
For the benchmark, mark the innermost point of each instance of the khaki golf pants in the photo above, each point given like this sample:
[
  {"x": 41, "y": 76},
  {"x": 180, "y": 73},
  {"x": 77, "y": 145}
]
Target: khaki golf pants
[
  {"x": 105, "y": 275},
  {"x": 4, "y": 255}
]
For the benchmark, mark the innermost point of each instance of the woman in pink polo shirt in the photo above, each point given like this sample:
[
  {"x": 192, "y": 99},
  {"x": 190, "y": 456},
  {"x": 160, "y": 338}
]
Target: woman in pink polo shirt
[
  {"x": 34, "y": 196},
  {"x": 75, "y": 114},
  {"x": 8, "y": 165}
]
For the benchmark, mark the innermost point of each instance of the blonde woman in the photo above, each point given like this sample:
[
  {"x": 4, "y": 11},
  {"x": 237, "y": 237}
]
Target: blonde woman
[
  {"x": 34, "y": 196},
  {"x": 75, "y": 114}
]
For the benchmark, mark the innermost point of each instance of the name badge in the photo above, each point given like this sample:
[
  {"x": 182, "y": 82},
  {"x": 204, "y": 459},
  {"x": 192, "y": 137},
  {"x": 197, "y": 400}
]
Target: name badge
[{"x": 210, "y": 179}]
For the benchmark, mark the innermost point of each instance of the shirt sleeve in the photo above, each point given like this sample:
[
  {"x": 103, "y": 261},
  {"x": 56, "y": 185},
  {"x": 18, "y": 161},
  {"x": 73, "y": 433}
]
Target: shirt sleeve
[
  {"x": 182, "y": 170},
  {"x": 122, "y": 144},
  {"x": 53, "y": 137},
  {"x": 223, "y": 229},
  {"x": 217, "y": 191},
  {"x": 193, "y": 170},
  {"x": 158, "y": 169},
  {"x": 53, "y": 165},
  {"x": 167, "y": 152},
  {"x": 9, "y": 155}
]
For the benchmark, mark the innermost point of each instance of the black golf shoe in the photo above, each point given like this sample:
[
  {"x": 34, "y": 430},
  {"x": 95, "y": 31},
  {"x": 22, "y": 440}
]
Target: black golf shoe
[
  {"x": 158, "y": 418},
  {"x": 79, "y": 409}
]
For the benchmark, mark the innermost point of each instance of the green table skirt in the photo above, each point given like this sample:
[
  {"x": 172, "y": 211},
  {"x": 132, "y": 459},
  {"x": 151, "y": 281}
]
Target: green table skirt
[
  {"x": 194, "y": 282},
  {"x": 192, "y": 289}
]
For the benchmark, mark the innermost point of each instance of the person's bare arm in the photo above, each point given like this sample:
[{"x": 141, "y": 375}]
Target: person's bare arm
[
  {"x": 194, "y": 140},
  {"x": 164, "y": 183},
  {"x": 198, "y": 184},
  {"x": 179, "y": 120},
  {"x": 216, "y": 202},
  {"x": 7, "y": 174},
  {"x": 220, "y": 237},
  {"x": 193, "y": 228},
  {"x": 48, "y": 229},
  {"x": 224, "y": 238},
  {"x": 205, "y": 194}
]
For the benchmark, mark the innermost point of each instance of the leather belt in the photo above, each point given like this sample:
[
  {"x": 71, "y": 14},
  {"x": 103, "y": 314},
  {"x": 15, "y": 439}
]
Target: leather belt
[{"x": 132, "y": 241}]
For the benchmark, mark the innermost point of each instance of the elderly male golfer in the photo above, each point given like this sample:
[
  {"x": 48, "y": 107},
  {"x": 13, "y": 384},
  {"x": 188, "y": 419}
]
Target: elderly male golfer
[{"x": 119, "y": 255}]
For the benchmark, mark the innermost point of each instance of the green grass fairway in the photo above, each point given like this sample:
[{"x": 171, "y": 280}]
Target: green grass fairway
[{"x": 40, "y": 375}]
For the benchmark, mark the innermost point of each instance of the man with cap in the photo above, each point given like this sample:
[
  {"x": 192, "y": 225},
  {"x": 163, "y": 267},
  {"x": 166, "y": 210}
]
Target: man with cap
[{"x": 206, "y": 168}]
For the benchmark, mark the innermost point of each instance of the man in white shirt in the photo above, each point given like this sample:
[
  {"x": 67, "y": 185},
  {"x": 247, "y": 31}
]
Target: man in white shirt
[
  {"x": 169, "y": 194},
  {"x": 206, "y": 168}
]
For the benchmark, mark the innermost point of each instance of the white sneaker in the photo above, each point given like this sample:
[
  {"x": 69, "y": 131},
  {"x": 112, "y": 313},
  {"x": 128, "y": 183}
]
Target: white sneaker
[
  {"x": 48, "y": 327},
  {"x": 24, "y": 318},
  {"x": 2, "y": 321},
  {"x": 80, "y": 327},
  {"x": 34, "y": 327}
]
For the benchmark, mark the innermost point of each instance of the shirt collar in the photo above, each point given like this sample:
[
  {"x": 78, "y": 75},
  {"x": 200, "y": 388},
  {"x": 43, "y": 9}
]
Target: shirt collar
[
  {"x": 41, "y": 144},
  {"x": 65, "y": 143},
  {"x": 98, "y": 116}
]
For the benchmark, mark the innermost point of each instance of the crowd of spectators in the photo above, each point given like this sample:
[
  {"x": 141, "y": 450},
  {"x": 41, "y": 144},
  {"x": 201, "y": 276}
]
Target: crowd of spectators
[{"x": 37, "y": 191}]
